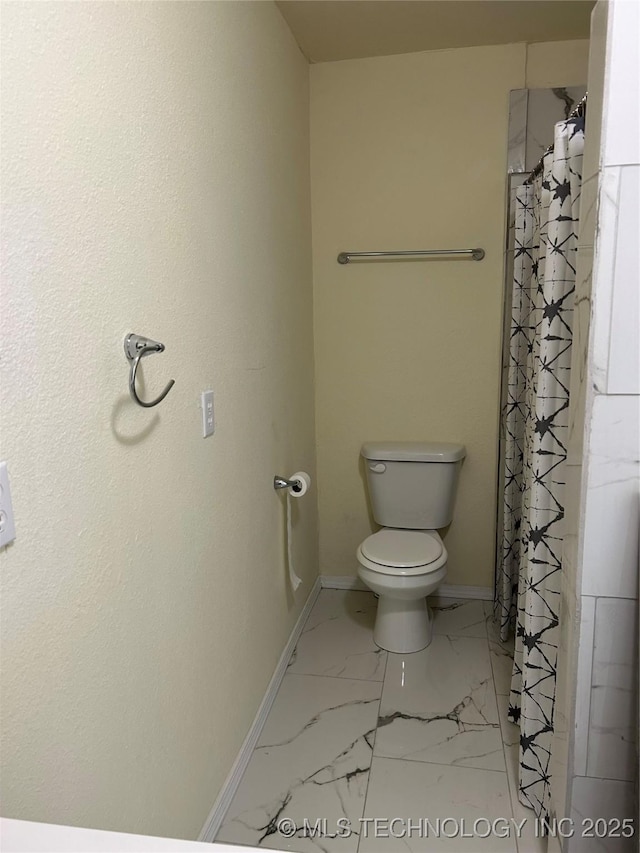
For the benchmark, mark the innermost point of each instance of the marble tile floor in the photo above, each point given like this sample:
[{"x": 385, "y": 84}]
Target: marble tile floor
[{"x": 362, "y": 746}]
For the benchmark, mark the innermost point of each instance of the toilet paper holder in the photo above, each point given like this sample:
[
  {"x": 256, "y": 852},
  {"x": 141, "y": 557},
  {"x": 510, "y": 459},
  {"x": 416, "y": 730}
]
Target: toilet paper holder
[{"x": 282, "y": 483}]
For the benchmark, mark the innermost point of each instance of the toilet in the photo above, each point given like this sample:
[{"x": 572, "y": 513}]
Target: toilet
[{"x": 412, "y": 486}]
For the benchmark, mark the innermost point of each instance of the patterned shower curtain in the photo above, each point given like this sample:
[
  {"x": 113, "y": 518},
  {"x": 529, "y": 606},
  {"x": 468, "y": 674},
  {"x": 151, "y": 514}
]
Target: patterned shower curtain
[{"x": 535, "y": 422}]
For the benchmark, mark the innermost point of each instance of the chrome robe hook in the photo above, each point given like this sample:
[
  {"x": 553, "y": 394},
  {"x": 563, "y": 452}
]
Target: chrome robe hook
[{"x": 135, "y": 348}]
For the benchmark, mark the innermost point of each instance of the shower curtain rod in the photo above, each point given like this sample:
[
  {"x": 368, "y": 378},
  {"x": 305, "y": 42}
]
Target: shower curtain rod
[{"x": 579, "y": 111}]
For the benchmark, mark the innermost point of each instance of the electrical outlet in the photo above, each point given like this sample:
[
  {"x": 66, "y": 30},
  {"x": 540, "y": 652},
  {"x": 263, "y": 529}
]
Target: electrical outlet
[
  {"x": 208, "y": 424},
  {"x": 7, "y": 526}
]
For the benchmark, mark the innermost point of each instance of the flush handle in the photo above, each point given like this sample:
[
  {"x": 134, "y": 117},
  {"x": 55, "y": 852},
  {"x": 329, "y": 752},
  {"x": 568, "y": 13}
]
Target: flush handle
[{"x": 377, "y": 467}]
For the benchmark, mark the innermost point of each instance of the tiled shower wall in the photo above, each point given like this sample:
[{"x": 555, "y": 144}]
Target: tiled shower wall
[{"x": 596, "y": 764}]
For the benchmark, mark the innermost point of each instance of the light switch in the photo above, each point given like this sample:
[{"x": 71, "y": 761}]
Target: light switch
[
  {"x": 7, "y": 526},
  {"x": 208, "y": 423}
]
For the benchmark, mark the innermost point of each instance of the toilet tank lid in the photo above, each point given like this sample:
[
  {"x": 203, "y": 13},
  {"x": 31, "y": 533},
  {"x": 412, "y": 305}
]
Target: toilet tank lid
[{"x": 413, "y": 451}]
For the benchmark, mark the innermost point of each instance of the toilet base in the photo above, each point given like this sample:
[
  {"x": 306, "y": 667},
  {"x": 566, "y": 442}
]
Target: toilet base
[{"x": 402, "y": 625}]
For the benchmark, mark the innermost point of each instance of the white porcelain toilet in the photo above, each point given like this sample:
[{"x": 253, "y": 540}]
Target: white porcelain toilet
[{"x": 412, "y": 486}]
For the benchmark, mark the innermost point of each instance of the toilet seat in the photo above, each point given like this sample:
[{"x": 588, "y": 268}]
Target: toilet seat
[{"x": 403, "y": 552}]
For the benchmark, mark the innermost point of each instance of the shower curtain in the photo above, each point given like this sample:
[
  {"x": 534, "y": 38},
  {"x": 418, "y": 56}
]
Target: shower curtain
[{"x": 535, "y": 423}]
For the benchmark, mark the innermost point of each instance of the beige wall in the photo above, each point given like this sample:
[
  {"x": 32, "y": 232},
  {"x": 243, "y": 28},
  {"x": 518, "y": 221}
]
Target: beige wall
[
  {"x": 156, "y": 179},
  {"x": 557, "y": 63},
  {"x": 410, "y": 152}
]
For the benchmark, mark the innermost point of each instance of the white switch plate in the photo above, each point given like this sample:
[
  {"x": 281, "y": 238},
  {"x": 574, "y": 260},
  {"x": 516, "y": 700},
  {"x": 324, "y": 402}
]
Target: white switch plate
[
  {"x": 208, "y": 423},
  {"x": 7, "y": 526}
]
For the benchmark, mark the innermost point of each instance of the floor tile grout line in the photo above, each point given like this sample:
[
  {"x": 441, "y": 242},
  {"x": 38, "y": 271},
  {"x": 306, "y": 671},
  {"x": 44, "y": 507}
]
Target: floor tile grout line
[
  {"x": 373, "y": 746},
  {"x": 341, "y": 677},
  {"x": 437, "y": 764}
]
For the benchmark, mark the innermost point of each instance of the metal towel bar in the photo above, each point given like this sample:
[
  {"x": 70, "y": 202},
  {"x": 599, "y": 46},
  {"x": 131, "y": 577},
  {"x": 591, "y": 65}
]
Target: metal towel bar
[{"x": 476, "y": 254}]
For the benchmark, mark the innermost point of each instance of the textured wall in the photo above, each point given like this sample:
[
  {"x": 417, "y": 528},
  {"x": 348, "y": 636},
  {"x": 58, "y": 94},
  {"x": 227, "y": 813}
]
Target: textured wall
[
  {"x": 155, "y": 179},
  {"x": 410, "y": 152}
]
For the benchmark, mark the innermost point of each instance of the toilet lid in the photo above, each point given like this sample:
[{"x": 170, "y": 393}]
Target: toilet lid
[{"x": 402, "y": 549}]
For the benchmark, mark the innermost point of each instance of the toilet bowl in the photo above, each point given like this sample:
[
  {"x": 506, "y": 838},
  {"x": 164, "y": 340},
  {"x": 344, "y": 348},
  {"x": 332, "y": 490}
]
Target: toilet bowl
[{"x": 403, "y": 567}]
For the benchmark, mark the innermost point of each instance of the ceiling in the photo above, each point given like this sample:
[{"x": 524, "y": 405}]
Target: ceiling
[{"x": 329, "y": 30}]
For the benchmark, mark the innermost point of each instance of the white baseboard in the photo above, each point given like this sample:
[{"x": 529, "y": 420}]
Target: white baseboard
[
  {"x": 228, "y": 790},
  {"x": 482, "y": 593},
  {"x": 342, "y": 582}
]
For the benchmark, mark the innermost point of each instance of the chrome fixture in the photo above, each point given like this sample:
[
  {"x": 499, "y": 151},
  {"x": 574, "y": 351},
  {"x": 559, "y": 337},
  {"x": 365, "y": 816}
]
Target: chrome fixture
[
  {"x": 476, "y": 254},
  {"x": 281, "y": 483},
  {"x": 135, "y": 348}
]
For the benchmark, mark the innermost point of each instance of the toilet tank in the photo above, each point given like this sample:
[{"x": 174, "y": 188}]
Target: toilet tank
[{"x": 412, "y": 484}]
